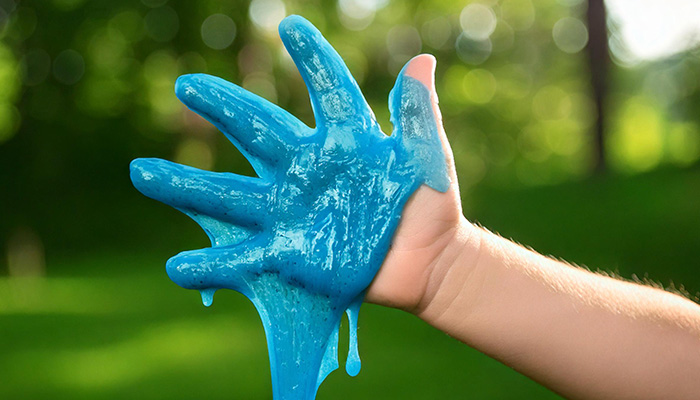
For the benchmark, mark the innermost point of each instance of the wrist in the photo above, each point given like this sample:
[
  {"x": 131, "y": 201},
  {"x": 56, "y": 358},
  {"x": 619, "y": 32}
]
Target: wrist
[{"x": 451, "y": 275}]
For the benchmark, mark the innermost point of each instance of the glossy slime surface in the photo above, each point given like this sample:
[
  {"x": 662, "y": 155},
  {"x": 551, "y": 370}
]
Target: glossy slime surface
[{"x": 305, "y": 238}]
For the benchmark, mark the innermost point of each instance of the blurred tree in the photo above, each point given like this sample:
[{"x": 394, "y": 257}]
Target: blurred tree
[
  {"x": 598, "y": 60},
  {"x": 87, "y": 86}
]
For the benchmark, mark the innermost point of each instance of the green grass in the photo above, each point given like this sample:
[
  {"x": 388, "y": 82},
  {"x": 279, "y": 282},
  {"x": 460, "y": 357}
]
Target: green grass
[
  {"x": 111, "y": 325},
  {"x": 134, "y": 334}
]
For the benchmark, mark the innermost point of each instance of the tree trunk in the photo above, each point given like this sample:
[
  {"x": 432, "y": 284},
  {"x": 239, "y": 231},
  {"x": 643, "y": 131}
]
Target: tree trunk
[{"x": 598, "y": 60}]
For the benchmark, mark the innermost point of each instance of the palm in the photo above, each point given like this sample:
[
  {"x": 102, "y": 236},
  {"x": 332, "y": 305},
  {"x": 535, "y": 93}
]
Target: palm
[
  {"x": 305, "y": 238},
  {"x": 427, "y": 224}
]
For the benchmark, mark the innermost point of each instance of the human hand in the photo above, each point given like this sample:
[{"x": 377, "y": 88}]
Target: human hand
[
  {"x": 305, "y": 238},
  {"x": 343, "y": 178}
]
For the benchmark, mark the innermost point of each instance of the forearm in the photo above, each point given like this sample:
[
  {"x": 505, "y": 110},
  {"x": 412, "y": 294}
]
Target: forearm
[{"x": 583, "y": 335}]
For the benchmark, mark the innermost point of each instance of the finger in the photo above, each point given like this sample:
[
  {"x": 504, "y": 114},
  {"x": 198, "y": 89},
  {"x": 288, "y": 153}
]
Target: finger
[
  {"x": 418, "y": 123},
  {"x": 263, "y": 132},
  {"x": 422, "y": 68},
  {"x": 227, "y": 197},
  {"x": 335, "y": 96},
  {"x": 216, "y": 267}
]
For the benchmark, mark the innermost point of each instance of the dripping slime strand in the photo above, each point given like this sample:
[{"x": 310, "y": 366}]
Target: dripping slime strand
[{"x": 304, "y": 239}]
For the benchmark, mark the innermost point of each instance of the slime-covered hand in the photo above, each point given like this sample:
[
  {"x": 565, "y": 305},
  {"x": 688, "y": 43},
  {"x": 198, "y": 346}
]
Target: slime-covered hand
[{"x": 305, "y": 238}]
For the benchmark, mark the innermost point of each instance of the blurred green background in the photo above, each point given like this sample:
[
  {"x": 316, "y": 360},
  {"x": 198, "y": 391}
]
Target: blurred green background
[{"x": 86, "y": 310}]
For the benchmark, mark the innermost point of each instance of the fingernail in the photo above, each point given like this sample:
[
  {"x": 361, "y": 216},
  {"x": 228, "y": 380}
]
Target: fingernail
[{"x": 422, "y": 68}]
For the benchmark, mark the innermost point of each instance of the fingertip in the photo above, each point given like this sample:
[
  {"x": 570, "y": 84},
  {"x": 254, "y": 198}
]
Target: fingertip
[
  {"x": 152, "y": 176},
  {"x": 422, "y": 68},
  {"x": 185, "y": 270},
  {"x": 290, "y": 21},
  {"x": 136, "y": 165},
  {"x": 186, "y": 86},
  {"x": 141, "y": 172},
  {"x": 290, "y": 26},
  {"x": 171, "y": 269}
]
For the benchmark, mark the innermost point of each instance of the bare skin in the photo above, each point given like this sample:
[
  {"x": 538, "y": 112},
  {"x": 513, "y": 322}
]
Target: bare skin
[{"x": 583, "y": 335}]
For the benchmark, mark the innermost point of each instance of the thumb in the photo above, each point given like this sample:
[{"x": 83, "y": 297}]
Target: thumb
[
  {"x": 418, "y": 122},
  {"x": 422, "y": 68}
]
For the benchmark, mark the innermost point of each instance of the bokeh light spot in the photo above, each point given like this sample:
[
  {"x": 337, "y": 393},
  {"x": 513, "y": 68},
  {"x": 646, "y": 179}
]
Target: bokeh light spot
[
  {"x": 24, "y": 23},
  {"x": 358, "y": 14},
  {"x": 254, "y": 58},
  {"x": 520, "y": 14},
  {"x": 636, "y": 144},
  {"x": 532, "y": 143},
  {"x": 261, "y": 84},
  {"x": 452, "y": 84},
  {"x": 360, "y": 9},
  {"x": 551, "y": 103},
  {"x": 402, "y": 43},
  {"x": 684, "y": 143},
  {"x": 649, "y": 30},
  {"x": 570, "y": 35},
  {"x": 267, "y": 14},
  {"x": 103, "y": 96},
  {"x": 218, "y": 31},
  {"x": 127, "y": 25},
  {"x": 472, "y": 51},
  {"x": 107, "y": 51},
  {"x": 479, "y": 86},
  {"x": 582, "y": 110},
  {"x": 563, "y": 137},
  {"x": 25, "y": 253},
  {"x": 478, "y": 21},
  {"x": 160, "y": 70},
  {"x": 195, "y": 153},
  {"x": 192, "y": 62},
  {"x": 663, "y": 85},
  {"x": 503, "y": 37},
  {"x": 162, "y": 24},
  {"x": 437, "y": 32}
]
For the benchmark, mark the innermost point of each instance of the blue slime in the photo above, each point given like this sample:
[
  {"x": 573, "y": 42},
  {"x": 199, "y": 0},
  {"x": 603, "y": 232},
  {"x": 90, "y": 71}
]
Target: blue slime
[{"x": 305, "y": 238}]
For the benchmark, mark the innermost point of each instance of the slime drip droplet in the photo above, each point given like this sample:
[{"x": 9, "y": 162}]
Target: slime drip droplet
[
  {"x": 207, "y": 296},
  {"x": 353, "y": 364},
  {"x": 304, "y": 239}
]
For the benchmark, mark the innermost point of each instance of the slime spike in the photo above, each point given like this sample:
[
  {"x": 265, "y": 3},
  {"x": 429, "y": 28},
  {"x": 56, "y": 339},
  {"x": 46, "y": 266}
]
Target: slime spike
[{"x": 330, "y": 358}]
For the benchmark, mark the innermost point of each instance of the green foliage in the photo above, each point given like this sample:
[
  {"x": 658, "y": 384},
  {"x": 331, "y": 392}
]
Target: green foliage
[
  {"x": 89, "y": 86},
  {"x": 86, "y": 86}
]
